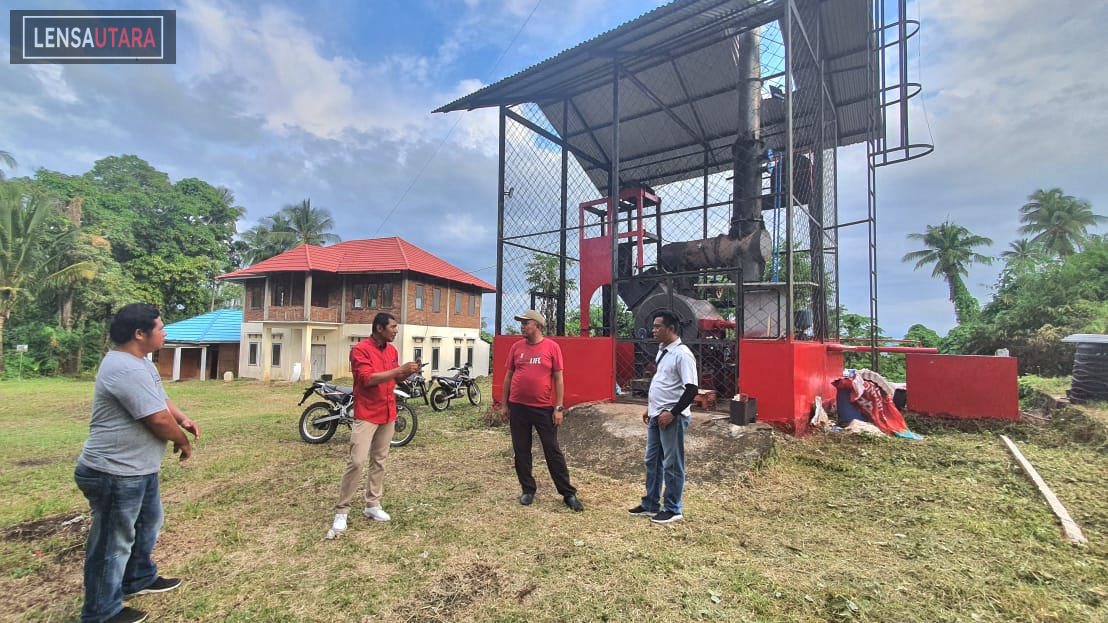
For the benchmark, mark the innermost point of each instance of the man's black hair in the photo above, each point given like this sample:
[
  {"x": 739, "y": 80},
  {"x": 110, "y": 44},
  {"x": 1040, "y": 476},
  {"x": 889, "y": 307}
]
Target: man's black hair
[
  {"x": 381, "y": 320},
  {"x": 668, "y": 319},
  {"x": 131, "y": 318}
]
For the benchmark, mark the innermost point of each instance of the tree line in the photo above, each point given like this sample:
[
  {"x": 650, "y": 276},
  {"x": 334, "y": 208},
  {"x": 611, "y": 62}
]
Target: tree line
[
  {"x": 1053, "y": 283},
  {"x": 75, "y": 248}
]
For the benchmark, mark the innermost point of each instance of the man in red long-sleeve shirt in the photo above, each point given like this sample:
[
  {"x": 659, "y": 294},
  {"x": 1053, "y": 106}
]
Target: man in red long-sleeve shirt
[{"x": 375, "y": 365}]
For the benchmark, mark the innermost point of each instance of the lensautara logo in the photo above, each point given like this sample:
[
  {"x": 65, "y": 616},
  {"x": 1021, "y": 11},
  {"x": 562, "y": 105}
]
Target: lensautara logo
[{"x": 93, "y": 36}]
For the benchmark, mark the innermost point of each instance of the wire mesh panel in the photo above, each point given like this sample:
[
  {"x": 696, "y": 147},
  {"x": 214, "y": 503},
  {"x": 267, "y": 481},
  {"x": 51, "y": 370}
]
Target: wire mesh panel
[
  {"x": 697, "y": 174},
  {"x": 540, "y": 262}
]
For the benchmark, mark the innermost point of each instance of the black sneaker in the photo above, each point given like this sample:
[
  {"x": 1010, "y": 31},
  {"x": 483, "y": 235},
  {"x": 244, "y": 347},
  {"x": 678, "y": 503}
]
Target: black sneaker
[
  {"x": 575, "y": 504},
  {"x": 128, "y": 615},
  {"x": 160, "y": 585},
  {"x": 641, "y": 512},
  {"x": 666, "y": 517}
]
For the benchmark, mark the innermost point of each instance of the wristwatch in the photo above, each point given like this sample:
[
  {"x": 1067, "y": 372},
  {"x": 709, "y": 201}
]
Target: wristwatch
[{"x": 559, "y": 408}]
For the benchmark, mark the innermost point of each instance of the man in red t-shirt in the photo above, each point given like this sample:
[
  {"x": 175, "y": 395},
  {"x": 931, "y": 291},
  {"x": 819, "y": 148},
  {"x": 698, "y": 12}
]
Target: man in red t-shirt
[
  {"x": 533, "y": 390},
  {"x": 375, "y": 365}
]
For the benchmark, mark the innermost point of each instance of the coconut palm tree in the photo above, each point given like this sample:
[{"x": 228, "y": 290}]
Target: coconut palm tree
[
  {"x": 262, "y": 243},
  {"x": 950, "y": 248},
  {"x": 31, "y": 254},
  {"x": 1023, "y": 250},
  {"x": 308, "y": 225},
  {"x": 7, "y": 160},
  {"x": 1059, "y": 221}
]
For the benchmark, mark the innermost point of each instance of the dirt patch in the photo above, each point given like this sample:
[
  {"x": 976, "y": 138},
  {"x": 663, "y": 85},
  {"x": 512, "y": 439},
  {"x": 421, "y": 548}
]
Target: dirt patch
[
  {"x": 36, "y": 529},
  {"x": 452, "y": 592},
  {"x": 35, "y": 462},
  {"x": 610, "y": 438}
]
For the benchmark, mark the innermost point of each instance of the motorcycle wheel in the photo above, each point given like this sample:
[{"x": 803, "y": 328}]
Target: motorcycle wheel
[
  {"x": 440, "y": 400},
  {"x": 474, "y": 394},
  {"x": 310, "y": 432},
  {"x": 406, "y": 425}
]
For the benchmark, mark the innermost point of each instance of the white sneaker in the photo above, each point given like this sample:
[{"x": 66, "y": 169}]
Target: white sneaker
[
  {"x": 376, "y": 513},
  {"x": 338, "y": 526}
]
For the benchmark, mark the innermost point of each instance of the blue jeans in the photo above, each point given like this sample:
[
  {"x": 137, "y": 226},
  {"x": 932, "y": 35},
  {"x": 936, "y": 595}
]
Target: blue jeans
[
  {"x": 126, "y": 520},
  {"x": 665, "y": 463}
]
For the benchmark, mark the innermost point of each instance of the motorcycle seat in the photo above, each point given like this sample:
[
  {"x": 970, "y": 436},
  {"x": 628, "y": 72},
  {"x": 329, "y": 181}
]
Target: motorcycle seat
[{"x": 337, "y": 388}]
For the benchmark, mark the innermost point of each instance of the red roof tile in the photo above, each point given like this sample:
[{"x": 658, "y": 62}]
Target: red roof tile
[{"x": 360, "y": 256}]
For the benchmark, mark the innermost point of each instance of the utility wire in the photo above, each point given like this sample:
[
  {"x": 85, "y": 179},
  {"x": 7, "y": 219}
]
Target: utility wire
[{"x": 445, "y": 138}]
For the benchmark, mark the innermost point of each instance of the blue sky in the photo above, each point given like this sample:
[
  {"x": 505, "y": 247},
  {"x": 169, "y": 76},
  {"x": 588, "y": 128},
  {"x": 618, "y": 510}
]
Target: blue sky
[{"x": 282, "y": 101}]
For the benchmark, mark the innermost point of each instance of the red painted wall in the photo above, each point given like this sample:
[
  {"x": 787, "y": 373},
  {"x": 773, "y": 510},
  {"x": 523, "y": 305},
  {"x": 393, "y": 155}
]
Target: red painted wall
[
  {"x": 589, "y": 375},
  {"x": 963, "y": 386},
  {"x": 785, "y": 377}
]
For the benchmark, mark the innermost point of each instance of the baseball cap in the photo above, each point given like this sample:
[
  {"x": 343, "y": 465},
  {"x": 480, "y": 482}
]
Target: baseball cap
[{"x": 531, "y": 314}]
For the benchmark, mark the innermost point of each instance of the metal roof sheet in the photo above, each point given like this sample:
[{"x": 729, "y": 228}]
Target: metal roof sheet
[
  {"x": 360, "y": 256},
  {"x": 679, "y": 94},
  {"x": 1087, "y": 338},
  {"x": 221, "y": 325}
]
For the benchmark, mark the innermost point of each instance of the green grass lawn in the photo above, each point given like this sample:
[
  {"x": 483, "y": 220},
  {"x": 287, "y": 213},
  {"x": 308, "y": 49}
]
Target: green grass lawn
[{"x": 833, "y": 528}]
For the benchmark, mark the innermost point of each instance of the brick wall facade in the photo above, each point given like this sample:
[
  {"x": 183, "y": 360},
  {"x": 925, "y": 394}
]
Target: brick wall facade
[
  {"x": 446, "y": 316},
  {"x": 330, "y": 289}
]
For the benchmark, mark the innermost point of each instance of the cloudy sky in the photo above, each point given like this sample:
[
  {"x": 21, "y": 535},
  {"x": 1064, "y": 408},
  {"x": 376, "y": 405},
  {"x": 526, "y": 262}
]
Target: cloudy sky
[{"x": 279, "y": 101}]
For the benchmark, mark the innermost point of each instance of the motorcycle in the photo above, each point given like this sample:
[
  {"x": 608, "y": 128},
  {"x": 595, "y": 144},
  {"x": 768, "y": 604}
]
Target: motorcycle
[
  {"x": 320, "y": 420},
  {"x": 451, "y": 387},
  {"x": 416, "y": 385}
]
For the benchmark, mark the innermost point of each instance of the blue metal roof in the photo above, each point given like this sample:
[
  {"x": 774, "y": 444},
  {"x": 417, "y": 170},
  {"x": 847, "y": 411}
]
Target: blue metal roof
[{"x": 222, "y": 325}]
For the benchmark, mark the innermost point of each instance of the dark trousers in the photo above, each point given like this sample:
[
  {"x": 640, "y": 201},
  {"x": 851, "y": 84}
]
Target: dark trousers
[{"x": 522, "y": 419}]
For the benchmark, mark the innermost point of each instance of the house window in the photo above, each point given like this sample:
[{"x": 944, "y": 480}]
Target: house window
[
  {"x": 252, "y": 359},
  {"x": 257, "y": 293},
  {"x": 435, "y": 358},
  {"x": 417, "y": 354},
  {"x": 469, "y": 355},
  {"x": 275, "y": 361},
  {"x": 280, "y": 295},
  {"x": 386, "y": 296},
  {"x": 436, "y": 305},
  {"x": 371, "y": 296},
  {"x": 472, "y": 304},
  {"x": 419, "y": 296},
  {"x": 457, "y": 356},
  {"x": 457, "y": 302},
  {"x": 358, "y": 292}
]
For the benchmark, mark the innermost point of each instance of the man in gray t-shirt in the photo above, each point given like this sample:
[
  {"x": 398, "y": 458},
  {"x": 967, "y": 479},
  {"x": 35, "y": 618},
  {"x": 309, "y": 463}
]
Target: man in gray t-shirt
[
  {"x": 132, "y": 419},
  {"x": 128, "y": 388}
]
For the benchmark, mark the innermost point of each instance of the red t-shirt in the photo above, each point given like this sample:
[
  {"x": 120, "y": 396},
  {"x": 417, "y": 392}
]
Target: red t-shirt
[
  {"x": 373, "y": 403},
  {"x": 533, "y": 367}
]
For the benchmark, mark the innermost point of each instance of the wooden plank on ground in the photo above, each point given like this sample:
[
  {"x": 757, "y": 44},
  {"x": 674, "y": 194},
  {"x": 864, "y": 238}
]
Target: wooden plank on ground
[{"x": 1069, "y": 526}]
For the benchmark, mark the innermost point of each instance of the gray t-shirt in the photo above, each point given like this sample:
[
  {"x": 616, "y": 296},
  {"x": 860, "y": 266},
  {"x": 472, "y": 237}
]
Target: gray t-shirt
[{"x": 128, "y": 388}]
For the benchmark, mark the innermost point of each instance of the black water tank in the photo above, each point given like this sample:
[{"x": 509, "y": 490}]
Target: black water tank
[{"x": 1090, "y": 368}]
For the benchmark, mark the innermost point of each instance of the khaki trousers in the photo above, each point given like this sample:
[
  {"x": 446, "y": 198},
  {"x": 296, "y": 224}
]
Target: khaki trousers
[{"x": 369, "y": 442}]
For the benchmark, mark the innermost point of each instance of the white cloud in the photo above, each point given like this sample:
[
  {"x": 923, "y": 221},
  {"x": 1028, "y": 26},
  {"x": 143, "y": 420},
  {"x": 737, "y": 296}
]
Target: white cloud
[
  {"x": 269, "y": 103},
  {"x": 54, "y": 83},
  {"x": 1014, "y": 96}
]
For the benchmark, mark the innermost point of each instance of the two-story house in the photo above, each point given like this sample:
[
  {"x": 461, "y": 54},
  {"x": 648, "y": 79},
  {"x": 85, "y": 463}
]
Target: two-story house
[{"x": 304, "y": 309}]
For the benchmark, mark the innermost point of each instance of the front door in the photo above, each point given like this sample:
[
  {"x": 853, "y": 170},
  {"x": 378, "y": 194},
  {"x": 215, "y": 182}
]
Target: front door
[{"x": 319, "y": 360}]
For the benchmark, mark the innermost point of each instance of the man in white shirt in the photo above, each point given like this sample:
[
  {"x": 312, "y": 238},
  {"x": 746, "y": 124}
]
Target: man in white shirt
[{"x": 672, "y": 390}]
